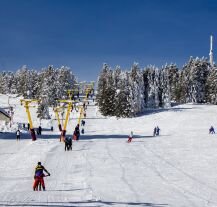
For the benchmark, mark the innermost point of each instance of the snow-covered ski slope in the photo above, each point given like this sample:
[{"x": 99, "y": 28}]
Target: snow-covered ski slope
[{"x": 178, "y": 168}]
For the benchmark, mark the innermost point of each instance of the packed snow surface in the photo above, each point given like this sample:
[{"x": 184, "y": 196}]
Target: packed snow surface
[{"x": 177, "y": 168}]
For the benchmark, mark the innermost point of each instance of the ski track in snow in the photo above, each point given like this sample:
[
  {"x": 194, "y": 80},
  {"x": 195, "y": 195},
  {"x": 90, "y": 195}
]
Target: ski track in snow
[{"x": 176, "y": 169}]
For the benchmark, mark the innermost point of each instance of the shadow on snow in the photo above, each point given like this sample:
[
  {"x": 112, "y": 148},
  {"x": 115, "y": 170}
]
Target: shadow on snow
[
  {"x": 12, "y": 136},
  {"x": 76, "y": 203}
]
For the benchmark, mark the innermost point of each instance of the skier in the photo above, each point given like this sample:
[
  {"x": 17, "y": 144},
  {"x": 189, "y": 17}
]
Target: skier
[
  {"x": 82, "y": 123},
  {"x": 211, "y": 130},
  {"x": 84, "y": 106},
  {"x": 130, "y": 137},
  {"x": 24, "y": 126},
  {"x": 18, "y": 134},
  {"x": 82, "y": 131},
  {"x": 74, "y": 136},
  {"x": 85, "y": 114},
  {"x": 68, "y": 143},
  {"x": 157, "y": 131},
  {"x": 77, "y": 132},
  {"x": 39, "y": 169},
  {"x": 51, "y": 128},
  {"x": 39, "y": 130},
  {"x": 28, "y": 126}
]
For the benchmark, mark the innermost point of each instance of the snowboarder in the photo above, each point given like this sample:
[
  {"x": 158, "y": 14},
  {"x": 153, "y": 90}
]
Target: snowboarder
[
  {"x": 130, "y": 137},
  {"x": 18, "y": 134},
  {"x": 157, "y": 131},
  {"x": 39, "y": 174},
  {"x": 211, "y": 130}
]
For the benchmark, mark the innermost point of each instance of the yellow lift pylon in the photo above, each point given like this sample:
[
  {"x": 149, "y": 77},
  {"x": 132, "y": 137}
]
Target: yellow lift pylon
[
  {"x": 88, "y": 89},
  {"x": 69, "y": 109},
  {"x": 26, "y": 103},
  {"x": 72, "y": 93},
  {"x": 56, "y": 111}
]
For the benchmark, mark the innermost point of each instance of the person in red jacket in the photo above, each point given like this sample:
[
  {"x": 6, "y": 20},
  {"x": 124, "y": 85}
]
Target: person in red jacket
[
  {"x": 39, "y": 175},
  {"x": 130, "y": 137}
]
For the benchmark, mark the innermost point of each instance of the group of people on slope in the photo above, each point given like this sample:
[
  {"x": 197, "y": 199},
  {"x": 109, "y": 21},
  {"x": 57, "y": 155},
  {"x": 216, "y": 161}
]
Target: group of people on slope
[
  {"x": 156, "y": 131},
  {"x": 38, "y": 130},
  {"x": 76, "y": 136}
]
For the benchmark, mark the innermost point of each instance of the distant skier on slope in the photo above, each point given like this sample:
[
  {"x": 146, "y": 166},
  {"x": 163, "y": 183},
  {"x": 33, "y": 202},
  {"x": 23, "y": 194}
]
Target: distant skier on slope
[
  {"x": 18, "y": 134},
  {"x": 39, "y": 174},
  {"x": 130, "y": 137},
  {"x": 76, "y": 133},
  {"x": 157, "y": 131},
  {"x": 68, "y": 143},
  {"x": 85, "y": 115},
  {"x": 82, "y": 123},
  {"x": 39, "y": 130},
  {"x": 211, "y": 130}
]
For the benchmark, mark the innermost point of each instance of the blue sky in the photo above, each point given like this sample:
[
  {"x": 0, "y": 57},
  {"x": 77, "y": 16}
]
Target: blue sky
[{"x": 84, "y": 34}]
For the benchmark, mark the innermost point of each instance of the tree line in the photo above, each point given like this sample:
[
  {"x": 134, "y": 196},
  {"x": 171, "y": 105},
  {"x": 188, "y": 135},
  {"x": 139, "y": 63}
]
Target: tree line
[
  {"x": 126, "y": 93},
  {"x": 48, "y": 85}
]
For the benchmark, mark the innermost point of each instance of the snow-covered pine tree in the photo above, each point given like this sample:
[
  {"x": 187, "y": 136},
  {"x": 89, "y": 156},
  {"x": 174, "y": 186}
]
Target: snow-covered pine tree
[
  {"x": 151, "y": 86},
  {"x": 47, "y": 92},
  {"x": 196, "y": 72},
  {"x": 109, "y": 98},
  {"x": 24, "y": 82},
  {"x": 211, "y": 86},
  {"x": 64, "y": 81},
  {"x": 123, "y": 100},
  {"x": 101, "y": 87},
  {"x": 106, "y": 92},
  {"x": 181, "y": 88},
  {"x": 136, "y": 84},
  {"x": 7, "y": 81},
  {"x": 173, "y": 80},
  {"x": 168, "y": 84}
]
